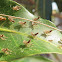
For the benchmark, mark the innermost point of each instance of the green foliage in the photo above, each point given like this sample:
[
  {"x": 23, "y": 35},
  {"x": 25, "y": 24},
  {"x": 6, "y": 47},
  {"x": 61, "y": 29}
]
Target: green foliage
[
  {"x": 33, "y": 59},
  {"x": 14, "y": 34}
]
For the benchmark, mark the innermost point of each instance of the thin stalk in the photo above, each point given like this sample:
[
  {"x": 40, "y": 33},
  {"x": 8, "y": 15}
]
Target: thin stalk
[{"x": 32, "y": 21}]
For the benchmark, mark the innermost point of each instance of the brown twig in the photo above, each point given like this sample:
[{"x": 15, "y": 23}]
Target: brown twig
[{"x": 32, "y": 21}]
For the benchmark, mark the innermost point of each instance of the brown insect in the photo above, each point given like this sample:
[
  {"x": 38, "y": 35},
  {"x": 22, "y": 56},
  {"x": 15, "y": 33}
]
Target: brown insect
[
  {"x": 50, "y": 40},
  {"x": 6, "y": 51},
  {"x": 11, "y": 19},
  {"x": 27, "y": 43},
  {"x": 16, "y": 8},
  {"x": 46, "y": 32},
  {"x": 2, "y": 37},
  {"x": 34, "y": 34},
  {"x": 22, "y": 23},
  {"x": 2, "y": 18},
  {"x": 35, "y": 19}
]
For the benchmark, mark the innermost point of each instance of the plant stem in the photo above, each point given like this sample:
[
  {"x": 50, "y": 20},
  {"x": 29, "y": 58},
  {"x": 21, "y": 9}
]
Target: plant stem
[{"x": 32, "y": 21}]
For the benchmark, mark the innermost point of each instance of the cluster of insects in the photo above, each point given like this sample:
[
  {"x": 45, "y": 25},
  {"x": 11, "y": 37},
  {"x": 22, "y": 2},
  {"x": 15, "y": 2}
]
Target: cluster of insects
[
  {"x": 47, "y": 33},
  {"x": 9, "y": 17},
  {"x": 3, "y": 37},
  {"x": 26, "y": 43},
  {"x": 6, "y": 51}
]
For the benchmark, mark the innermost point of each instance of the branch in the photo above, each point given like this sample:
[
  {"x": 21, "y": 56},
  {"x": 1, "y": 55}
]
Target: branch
[{"x": 32, "y": 21}]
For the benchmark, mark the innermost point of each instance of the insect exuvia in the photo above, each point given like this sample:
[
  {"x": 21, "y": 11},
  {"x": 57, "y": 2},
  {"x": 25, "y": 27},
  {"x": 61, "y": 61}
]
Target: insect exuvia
[
  {"x": 16, "y": 8},
  {"x": 34, "y": 34},
  {"x": 27, "y": 43},
  {"x": 50, "y": 40},
  {"x": 46, "y": 32},
  {"x": 10, "y": 19},
  {"x": 22, "y": 23},
  {"x": 6, "y": 51},
  {"x": 35, "y": 19},
  {"x": 3, "y": 37},
  {"x": 2, "y": 18}
]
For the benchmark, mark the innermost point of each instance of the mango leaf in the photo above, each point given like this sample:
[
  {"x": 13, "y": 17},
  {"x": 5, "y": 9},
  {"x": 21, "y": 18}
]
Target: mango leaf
[
  {"x": 12, "y": 33},
  {"x": 33, "y": 59}
]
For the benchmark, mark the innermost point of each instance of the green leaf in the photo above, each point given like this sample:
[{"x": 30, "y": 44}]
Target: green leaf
[
  {"x": 15, "y": 34},
  {"x": 33, "y": 59}
]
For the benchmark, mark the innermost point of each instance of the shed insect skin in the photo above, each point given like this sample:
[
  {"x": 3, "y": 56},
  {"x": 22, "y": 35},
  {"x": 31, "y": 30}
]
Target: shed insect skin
[
  {"x": 2, "y": 18},
  {"x": 35, "y": 19},
  {"x": 46, "y": 32},
  {"x": 10, "y": 19},
  {"x": 22, "y": 23},
  {"x": 6, "y": 51},
  {"x": 3, "y": 37},
  {"x": 16, "y": 8},
  {"x": 27, "y": 43},
  {"x": 50, "y": 40},
  {"x": 34, "y": 34}
]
